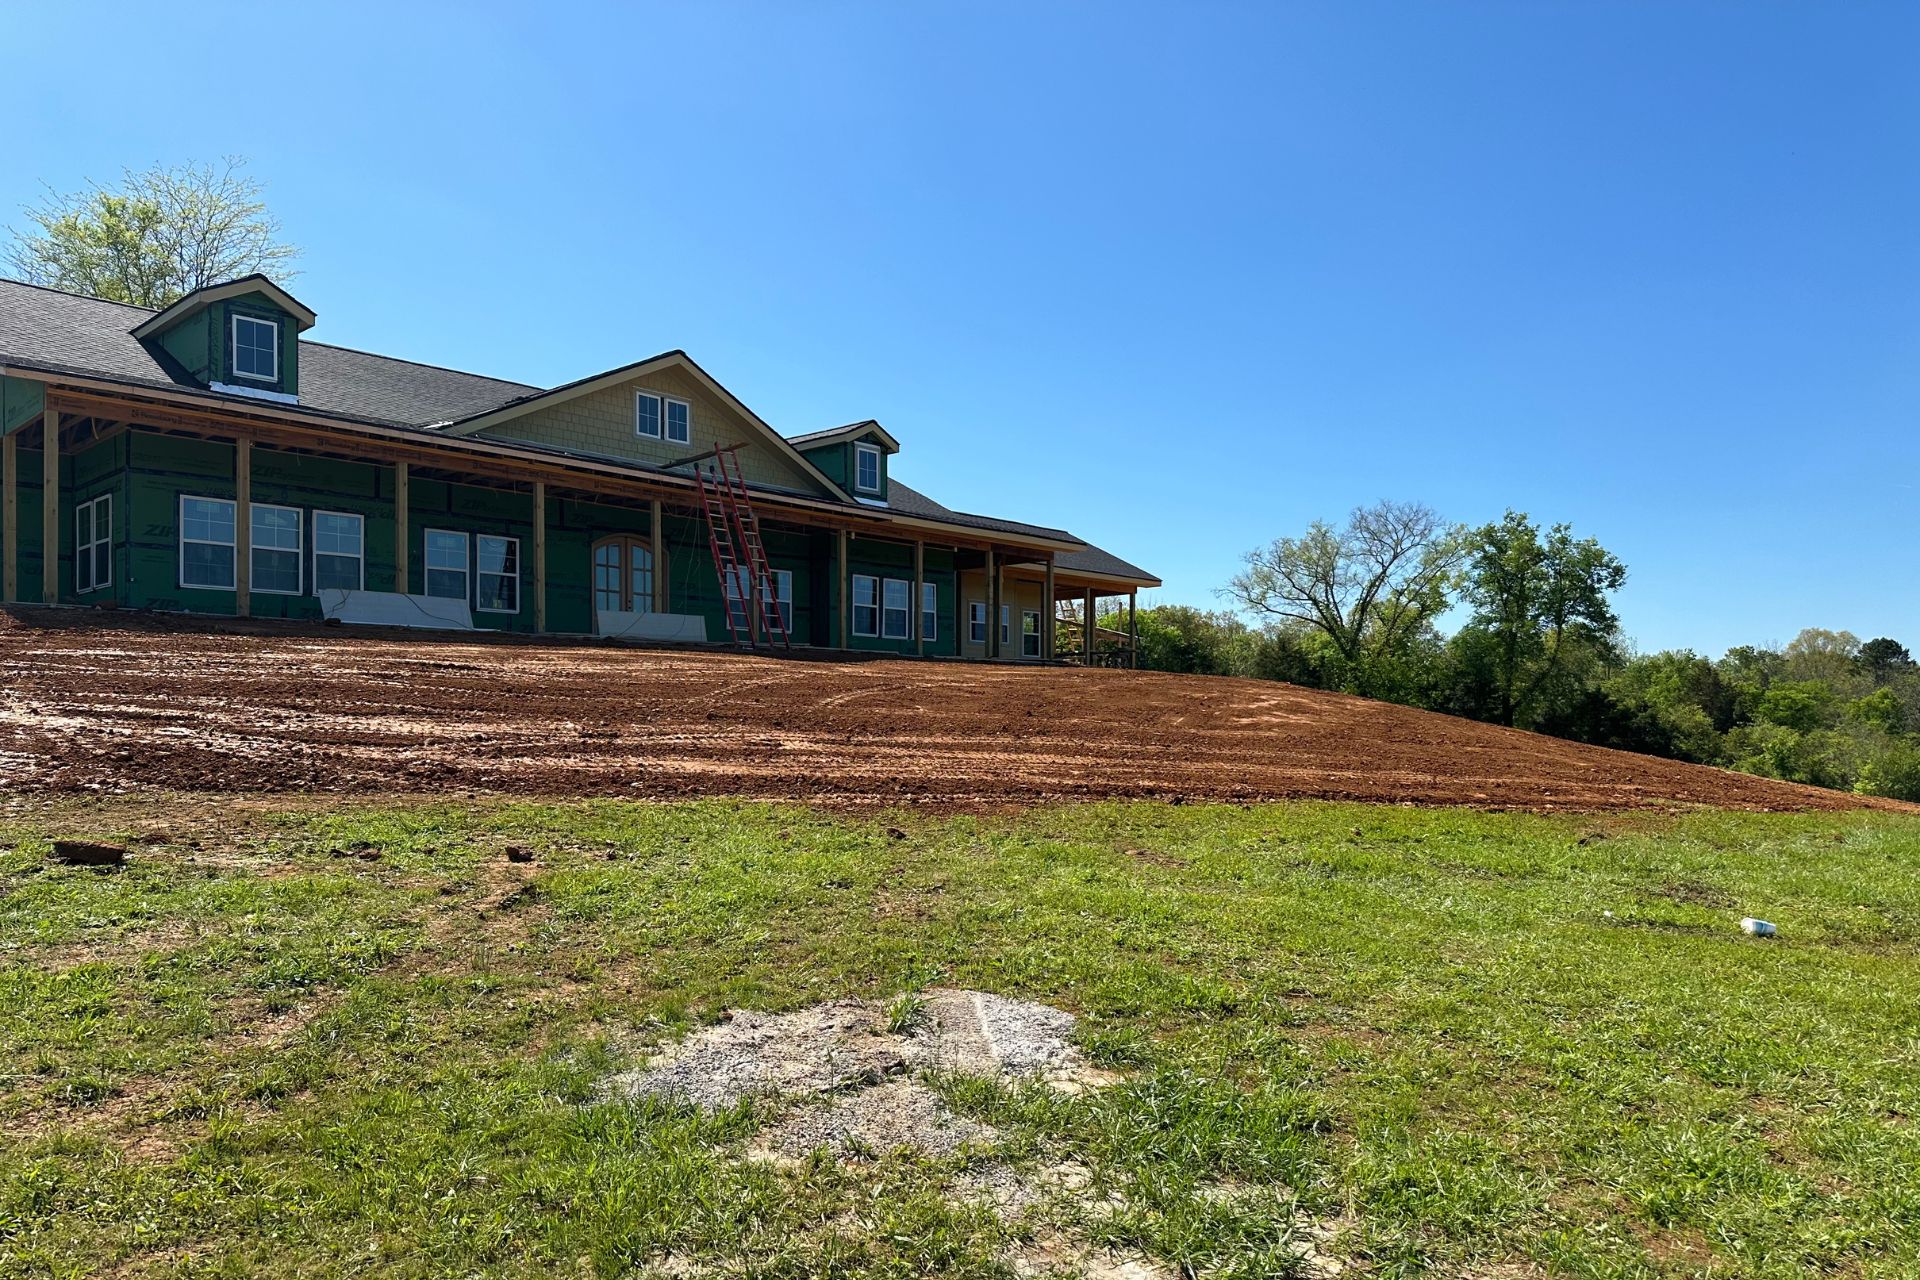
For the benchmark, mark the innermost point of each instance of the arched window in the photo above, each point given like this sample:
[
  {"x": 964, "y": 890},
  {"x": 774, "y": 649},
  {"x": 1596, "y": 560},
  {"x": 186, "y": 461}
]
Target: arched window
[{"x": 622, "y": 576}]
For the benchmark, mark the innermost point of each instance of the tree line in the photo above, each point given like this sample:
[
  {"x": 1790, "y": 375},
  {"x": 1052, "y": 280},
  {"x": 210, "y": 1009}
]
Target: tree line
[{"x": 1357, "y": 608}]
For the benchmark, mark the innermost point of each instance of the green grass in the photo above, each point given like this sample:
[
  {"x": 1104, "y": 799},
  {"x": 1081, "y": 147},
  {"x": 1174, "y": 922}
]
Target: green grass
[{"x": 269, "y": 1055}]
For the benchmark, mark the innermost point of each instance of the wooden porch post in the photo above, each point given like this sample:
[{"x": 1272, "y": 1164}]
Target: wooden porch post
[
  {"x": 1133, "y": 629},
  {"x": 10, "y": 519},
  {"x": 1046, "y": 618},
  {"x": 1087, "y": 624},
  {"x": 919, "y": 614},
  {"x": 243, "y": 528},
  {"x": 401, "y": 549},
  {"x": 993, "y": 604},
  {"x": 843, "y": 616},
  {"x": 50, "y": 508},
  {"x": 659, "y": 559},
  {"x": 540, "y": 555}
]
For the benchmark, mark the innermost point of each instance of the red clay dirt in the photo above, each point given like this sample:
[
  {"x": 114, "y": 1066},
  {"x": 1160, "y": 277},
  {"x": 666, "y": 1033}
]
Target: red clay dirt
[{"x": 100, "y": 702}]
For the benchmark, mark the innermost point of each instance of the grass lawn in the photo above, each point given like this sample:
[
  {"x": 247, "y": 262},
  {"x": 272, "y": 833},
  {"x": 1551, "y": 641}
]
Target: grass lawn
[{"x": 364, "y": 1043}]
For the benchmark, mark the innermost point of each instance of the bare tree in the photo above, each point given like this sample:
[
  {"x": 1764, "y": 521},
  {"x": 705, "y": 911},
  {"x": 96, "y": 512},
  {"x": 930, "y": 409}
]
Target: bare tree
[
  {"x": 160, "y": 234},
  {"x": 1369, "y": 586}
]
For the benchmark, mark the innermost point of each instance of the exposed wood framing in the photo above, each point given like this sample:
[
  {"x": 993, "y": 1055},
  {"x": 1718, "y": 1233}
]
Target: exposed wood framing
[
  {"x": 50, "y": 508},
  {"x": 1046, "y": 615},
  {"x": 1086, "y": 630},
  {"x": 1133, "y": 628},
  {"x": 658, "y": 547},
  {"x": 995, "y": 584},
  {"x": 242, "y": 528},
  {"x": 919, "y": 614},
  {"x": 842, "y": 568}
]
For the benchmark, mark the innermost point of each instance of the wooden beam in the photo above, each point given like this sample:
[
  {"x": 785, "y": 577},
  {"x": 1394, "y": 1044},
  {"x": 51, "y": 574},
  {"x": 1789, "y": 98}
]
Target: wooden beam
[
  {"x": 919, "y": 596},
  {"x": 658, "y": 545},
  {"x": 540, "y": 555},
  {"x": 1046, "y": 616},
  {"x": 243, "y": 528},
  {"x": 9, "y": 520},
  {"x": 50, "y": 508},
  {"x": 402, "y": 546},
  {"x": 1086, "y": 629},
  {"x": 995, "y": 583}
]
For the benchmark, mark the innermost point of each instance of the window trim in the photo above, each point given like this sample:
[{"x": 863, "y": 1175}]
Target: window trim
[
  {"x": 666, "y": 435},
  {"x": 360, "y": 559},
  {"x": 659, "y": 416},
  {"x": 233, "y": 346},
  {"x": 854, "y": 606},
  {"x": 905, "y": 610},
  {"x": 181, "y": 540},
  {"x": 1035, "y": 634},
  {"x": 783, "y": 595},
  {"x": 864, "y": 450},
  {"x": 929, "y": 617},
  {"x": 427, "y": 570},
  {"x": 299, "y": 551},
  {"x": 87, "y": 509},
  {"x": 473, "y": 555},
  {"x": 976, "y": 621}
]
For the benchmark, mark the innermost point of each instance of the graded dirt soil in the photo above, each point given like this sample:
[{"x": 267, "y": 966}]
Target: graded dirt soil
[{"x": 99, "y": 702}]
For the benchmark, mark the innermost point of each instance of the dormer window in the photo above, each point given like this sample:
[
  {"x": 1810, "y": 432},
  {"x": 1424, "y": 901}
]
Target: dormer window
[
  {"x": 659, "y": 417},
  {"x": 866, "y": 468},
  {"x": 256, "y": 349}
]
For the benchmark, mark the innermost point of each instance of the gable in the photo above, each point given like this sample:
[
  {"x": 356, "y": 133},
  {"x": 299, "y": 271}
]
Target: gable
[{"x": 601, "y": 422}]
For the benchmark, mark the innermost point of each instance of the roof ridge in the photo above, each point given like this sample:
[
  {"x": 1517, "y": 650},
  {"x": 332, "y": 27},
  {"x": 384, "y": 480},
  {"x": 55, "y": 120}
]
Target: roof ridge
[
  {"x": 423, "y": 364},
  {"x": 84, "y": 297}
]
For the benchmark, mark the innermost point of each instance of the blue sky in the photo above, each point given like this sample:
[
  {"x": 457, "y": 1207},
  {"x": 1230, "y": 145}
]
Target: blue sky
[{"x": 1179, "y": 278}]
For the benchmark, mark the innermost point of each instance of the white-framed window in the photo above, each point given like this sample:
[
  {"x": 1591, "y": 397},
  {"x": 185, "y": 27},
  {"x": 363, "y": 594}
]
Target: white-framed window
[
  {"x": 1030, "y": 633},
  {"x": 866, "y": 605},
  {"x": 497, "y": 577},
  {"x": 866, "y": 468},
  {"x": 339, "y": 551},
  {"x": 446, "y": 559},
  {"x": 646, "y": 414},
  {"x": 929, "y": 611},
  {"x": 206, "y": 542},
  {"x": 1006, "y": 626},
  {"x": 93, "y": 544},
  {"x": 679, "y": 421},
  {"x": 896, "y": 618},
  {"x": 977, "y": 621},
  {"x": 256, "y": 349},
  {"x": 783, "y": 592},
  {"x": 274, "y": 550}
]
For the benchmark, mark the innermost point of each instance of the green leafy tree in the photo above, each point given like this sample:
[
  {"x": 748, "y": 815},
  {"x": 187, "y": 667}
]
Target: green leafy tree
[
  {"x": 1539, "y": 601},
  {"x": 1371, "y": 587},
  {"x": 158, "y": 235}
]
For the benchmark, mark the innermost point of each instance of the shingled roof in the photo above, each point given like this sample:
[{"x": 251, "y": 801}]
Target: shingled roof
[{"x": 50, "y": 331}]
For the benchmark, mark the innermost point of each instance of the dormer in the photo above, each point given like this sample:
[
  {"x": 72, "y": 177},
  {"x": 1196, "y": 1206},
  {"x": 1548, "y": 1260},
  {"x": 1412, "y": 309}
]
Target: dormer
[
  {"x": 241, "y": 338},
  {"x": 854, "y": 457}
]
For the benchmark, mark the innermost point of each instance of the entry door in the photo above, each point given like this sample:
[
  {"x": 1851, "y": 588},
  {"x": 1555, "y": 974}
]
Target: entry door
[{"x": 622, "y": 576}]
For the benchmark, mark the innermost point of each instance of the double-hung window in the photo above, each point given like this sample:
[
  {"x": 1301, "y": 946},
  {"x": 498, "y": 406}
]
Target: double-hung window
[
  {"x": 679, "y": 421},
  {"x": 1006, "y": 626},
  {"x": 976, "y": 622},
  {"x": 783, "y": 593},
  {"x": 866, "y": 605},
  {"x": 929, "y": 611},
  {"x": 256, "y": 349},
  {"x": 93, "y": 544},
  {"x": 339, "y": 551},
  {"x": 659, "y": 417},
  {"x": 497, "y": 582},
  {"x": 206, "y": 543},
  {"x": 866, "y": 468},
  {"x": 896, "y": 619},
  {"x": 1030, "y": 633},
  {"x": 446, "y": 556},
  {"x": 275, "y": 555}
]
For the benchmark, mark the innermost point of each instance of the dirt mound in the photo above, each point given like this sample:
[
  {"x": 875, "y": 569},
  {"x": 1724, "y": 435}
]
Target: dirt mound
[{"x": 106, "y": 702}]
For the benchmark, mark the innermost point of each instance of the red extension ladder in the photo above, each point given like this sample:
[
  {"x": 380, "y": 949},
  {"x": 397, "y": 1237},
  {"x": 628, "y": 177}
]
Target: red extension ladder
[{"x": 739, "y": 557}]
